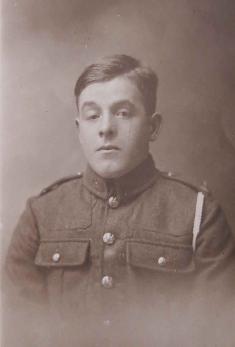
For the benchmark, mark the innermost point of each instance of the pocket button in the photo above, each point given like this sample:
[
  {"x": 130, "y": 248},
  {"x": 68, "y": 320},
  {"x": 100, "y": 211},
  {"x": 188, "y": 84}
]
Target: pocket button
[
  {"x": 161, "y": 261},
  {"x": 56, "y": 257}
]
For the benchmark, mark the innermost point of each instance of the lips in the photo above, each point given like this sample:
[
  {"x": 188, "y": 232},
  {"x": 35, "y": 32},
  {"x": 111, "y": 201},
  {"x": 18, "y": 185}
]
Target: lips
[{"x": 108, "y": 148}]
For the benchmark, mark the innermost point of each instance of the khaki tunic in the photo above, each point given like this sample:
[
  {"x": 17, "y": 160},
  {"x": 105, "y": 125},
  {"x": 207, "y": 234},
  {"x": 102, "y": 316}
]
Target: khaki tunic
[{"x": 107, "y": 255}]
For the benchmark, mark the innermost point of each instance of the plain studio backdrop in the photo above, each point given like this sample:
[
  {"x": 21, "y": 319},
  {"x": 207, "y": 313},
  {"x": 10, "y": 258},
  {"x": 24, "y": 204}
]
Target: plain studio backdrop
[{"x": 46, "y": 45}]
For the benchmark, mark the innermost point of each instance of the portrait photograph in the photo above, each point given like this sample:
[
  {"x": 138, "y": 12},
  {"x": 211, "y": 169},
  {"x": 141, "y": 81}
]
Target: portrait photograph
[{"x": 117, "y": 173}]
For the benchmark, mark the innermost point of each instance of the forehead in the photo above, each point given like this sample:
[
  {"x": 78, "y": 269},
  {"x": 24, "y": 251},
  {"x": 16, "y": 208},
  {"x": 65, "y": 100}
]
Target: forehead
[{"x": 110, "y": 92}]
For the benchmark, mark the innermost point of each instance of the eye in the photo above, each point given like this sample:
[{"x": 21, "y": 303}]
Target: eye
[
  {"x": 93, "y": 116},
  {"x": 123, "y": 113}
]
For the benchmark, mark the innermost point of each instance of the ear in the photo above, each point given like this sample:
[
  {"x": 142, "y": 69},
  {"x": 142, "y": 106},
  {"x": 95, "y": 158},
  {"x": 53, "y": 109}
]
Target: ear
[
  {"x": 155, "y": 125},
  {"x": 77, "y": 122}
]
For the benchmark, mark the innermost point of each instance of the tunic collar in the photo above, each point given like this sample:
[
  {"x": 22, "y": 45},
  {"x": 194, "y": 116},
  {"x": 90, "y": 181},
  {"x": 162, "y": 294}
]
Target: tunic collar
[{"x": 124, "y": 187}]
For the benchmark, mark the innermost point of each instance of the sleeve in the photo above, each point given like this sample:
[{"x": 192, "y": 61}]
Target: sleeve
[
  {"x": 23, "y": 277},
  {"x": 215, "y": 249}
]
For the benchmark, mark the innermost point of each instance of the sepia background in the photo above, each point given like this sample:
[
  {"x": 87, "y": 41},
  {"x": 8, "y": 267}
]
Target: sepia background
[{"x": 46, "y": 45}]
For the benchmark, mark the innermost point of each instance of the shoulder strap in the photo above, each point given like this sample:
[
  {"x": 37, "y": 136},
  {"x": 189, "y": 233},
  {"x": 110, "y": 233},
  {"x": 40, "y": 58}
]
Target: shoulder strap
[
  {"x": 59, "y": 182},
  {"x": 195, "y": 186}
]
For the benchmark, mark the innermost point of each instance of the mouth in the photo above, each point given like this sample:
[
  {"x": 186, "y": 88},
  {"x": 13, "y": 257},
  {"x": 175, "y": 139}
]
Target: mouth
[{"x": 108, "y": 148}]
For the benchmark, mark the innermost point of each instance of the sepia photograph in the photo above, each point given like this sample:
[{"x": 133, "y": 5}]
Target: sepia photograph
[{"x": 117, "y": 177}]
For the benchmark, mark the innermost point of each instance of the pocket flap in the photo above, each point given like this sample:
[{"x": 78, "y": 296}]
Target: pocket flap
[
  {"x": 160, "y": 256},
  {"x": 62, "y": 253}
]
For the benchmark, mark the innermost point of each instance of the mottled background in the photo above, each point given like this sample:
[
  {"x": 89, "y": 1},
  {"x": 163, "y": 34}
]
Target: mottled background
[{"x": 46, "y": 44}]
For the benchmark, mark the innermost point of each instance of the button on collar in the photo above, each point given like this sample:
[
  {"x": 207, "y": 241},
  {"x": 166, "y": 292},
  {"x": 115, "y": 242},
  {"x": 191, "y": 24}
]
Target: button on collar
[
  {"x": 113, "y": 202},
  {"x": 108, "y": 238},
  {"x": 126, "y": 186},
  {"x": 107, "y": 282},
  {"x": 56, "y": 257}
]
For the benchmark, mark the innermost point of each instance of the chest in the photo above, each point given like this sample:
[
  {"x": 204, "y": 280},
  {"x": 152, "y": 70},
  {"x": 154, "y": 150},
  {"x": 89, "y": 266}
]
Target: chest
[{"x": 143, "y": 233}]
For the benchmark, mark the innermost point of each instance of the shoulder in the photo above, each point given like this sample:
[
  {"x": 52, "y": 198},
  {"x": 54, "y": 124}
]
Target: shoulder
[
  {"x": 189, "y": 193},
  {"x": 182, "y": 182},
  {"x": 57, "y": 191},
  {"x": 57, "y": 200},
  {"x": 177, "y": 193},
  {"x": 64, "y": 181}
]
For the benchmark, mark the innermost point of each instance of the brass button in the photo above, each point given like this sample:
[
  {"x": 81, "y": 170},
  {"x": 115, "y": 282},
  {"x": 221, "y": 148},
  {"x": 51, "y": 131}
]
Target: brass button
[
  {"x": 108, "y": 238},
  {"x": 56, "y": 257},
  {"x": 107, "y": 282},
  {"x": 113, "y": 202},
  {"x": 79, "y": 174},
  {"x": 161, "y": 261}
]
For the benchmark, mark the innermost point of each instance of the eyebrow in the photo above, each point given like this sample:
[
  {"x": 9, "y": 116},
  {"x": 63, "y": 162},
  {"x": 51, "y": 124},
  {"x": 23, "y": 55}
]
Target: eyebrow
[
  {"x": 115, "y": 105},
  {"x": 89, "y": 104},
  {"x": 123, "y": 103}
]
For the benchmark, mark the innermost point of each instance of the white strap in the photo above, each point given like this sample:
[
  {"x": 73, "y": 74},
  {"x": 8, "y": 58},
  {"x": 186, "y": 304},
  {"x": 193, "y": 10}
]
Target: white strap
[{"x": 197, "y": 218}]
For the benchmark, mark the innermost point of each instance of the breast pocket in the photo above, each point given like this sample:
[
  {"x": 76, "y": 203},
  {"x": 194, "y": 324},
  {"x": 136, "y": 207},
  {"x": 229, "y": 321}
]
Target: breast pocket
[
  {"x": 160, "y": 256},
  {"x": 53, "y": 253},
  {"x": 65, "y": 264}
]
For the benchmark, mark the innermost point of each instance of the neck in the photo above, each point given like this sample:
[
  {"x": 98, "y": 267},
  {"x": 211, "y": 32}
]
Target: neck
[{"x": 128, "y": 185}]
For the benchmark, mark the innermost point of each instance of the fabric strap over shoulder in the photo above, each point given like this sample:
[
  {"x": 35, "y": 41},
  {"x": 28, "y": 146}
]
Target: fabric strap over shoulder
[
  {"x": 197, "y": 218},
  {"x": 202, "y": 190}
]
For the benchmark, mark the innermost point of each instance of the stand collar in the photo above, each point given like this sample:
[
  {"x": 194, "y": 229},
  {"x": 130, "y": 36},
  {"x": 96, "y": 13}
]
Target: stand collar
[{"x": 124, "y": 187}]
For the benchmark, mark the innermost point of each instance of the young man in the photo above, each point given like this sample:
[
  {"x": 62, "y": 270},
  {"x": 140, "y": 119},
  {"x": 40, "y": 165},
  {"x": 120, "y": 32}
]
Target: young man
[{"x": 122, "y": 242}]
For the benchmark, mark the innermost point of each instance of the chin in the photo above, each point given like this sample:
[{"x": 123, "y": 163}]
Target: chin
[{"x": 110, "y": 172}]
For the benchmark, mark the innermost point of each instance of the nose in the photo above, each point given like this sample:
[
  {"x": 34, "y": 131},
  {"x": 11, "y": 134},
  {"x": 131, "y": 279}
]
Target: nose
[{"x": 107, "y": 127}]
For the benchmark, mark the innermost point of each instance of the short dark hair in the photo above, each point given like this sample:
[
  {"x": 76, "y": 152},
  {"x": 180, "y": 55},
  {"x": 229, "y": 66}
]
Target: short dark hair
[{"x": 116, "y": 65}]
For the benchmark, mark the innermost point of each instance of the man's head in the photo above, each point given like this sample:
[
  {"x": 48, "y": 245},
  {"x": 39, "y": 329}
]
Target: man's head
[
  {"x": 113, "y": 66},
  {"x": 116, "y": 100}
]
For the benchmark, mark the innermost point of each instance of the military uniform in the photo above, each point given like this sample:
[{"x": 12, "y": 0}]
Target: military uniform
[{"x": 105, "y": 251}]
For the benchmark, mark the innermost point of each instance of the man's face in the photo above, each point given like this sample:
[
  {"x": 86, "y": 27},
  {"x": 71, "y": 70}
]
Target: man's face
[{"x": 114, "y": 130}]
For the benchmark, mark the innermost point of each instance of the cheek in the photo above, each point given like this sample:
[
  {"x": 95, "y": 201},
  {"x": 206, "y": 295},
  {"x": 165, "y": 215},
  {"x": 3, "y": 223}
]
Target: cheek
[
  {"x": 85, "y": 144},
  {"x": 136, "y": 136},
  {"x": 85, "y": 135}
]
